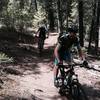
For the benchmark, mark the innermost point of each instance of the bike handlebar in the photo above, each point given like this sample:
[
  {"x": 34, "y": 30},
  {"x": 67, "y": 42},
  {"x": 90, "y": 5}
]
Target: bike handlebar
[{"x": 72, "y": 65}]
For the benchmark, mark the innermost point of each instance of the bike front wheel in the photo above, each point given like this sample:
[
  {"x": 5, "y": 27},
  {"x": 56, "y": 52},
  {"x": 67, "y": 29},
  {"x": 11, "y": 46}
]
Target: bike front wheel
[{"x": 78, "y": 92}]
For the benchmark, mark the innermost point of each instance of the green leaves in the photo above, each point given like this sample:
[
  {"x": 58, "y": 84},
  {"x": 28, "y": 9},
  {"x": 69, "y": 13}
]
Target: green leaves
[{"x": 5, "y": 58}]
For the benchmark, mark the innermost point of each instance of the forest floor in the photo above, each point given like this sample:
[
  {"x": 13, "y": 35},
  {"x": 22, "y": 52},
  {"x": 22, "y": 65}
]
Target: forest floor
[{"x": 30, "y": 77}]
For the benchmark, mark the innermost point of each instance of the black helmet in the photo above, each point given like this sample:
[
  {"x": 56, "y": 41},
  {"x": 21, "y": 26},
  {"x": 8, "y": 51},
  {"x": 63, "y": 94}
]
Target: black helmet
[{"x": 73, "y": 29}]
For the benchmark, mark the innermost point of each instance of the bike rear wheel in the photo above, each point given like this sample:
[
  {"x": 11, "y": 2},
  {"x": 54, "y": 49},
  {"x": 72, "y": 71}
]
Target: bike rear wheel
[{"x": 40, "y": 45}]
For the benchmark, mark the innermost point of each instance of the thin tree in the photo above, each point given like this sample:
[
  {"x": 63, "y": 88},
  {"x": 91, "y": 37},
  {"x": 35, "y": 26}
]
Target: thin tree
[
  {"x": 59, "y": 10},
  {"x": 50, "y": 13},
  {"x": 81, "y": 35},
  {"x": 35, "y": 1},
  {"x": 97, "y": 28},
  {"x": 92, "y": 27}
]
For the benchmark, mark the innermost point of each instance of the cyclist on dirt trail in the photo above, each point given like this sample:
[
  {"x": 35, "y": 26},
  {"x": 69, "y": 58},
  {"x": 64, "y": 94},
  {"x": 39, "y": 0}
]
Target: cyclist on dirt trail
[
  {"x": 62, "y": 51},
  {"x": 42, "y": 34}
]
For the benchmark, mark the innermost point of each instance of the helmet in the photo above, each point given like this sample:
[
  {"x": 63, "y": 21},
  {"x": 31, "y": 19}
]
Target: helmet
[{"x": 73, "y": 29}]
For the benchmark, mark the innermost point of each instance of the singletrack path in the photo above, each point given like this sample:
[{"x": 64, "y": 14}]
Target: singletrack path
[{"x": 36, "y": 79}]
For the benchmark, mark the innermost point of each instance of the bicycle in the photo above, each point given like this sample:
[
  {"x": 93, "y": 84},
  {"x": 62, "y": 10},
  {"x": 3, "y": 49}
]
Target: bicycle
[{"x": 68, "y": 82}]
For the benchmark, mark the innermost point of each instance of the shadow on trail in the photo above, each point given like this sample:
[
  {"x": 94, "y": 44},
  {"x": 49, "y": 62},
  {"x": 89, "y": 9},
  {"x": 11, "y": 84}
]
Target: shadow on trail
[
  {"x": 31, "y": 97},
  {"x": 13, "y": 98},
  {"x": 92, "y": 68},
  {"x": 25, "y": 56},
  {"x": 92, "y": 92},
  {"x": 48, "y": 55},
  {"x": 67, "y": 97},
  {"x": 24, "y": 59}
]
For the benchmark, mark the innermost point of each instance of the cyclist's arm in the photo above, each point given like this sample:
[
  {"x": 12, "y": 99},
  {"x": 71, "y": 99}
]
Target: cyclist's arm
[
  {"x": 56, "y": 53},
  {"x": 47, "y": 32},
  {"x": 37, "y": 33},
  {"x": 79, "y": 50}
]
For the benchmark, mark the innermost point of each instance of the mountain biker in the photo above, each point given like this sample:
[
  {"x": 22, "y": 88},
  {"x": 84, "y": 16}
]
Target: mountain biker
[
  {"x": 42, "y": 34},
  {"x": 62, "y": 51}
]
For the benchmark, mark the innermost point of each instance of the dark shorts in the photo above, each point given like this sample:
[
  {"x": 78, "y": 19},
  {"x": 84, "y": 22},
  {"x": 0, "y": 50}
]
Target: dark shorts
[{"x": 66, "y": 56}]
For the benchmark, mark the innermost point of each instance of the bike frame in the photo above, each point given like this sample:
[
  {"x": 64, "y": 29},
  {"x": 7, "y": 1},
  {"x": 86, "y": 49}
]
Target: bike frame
[{"x": 69, "y": 73}]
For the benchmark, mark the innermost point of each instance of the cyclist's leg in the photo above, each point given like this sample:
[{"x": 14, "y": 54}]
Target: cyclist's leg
[
  {"x": 68, "y": 57},
  {"x": 43, "y": 40},
  {"x": 39, "y": 45},
  {"x": 56, "y": 71},
  {"x": 42, "y": 43},
  {"x": 56, "y": 67},
  {"x": 39, "y": 40}
]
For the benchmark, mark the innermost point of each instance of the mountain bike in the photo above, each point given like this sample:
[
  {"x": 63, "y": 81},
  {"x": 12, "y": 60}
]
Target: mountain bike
[{"x": 68, "y": 82}]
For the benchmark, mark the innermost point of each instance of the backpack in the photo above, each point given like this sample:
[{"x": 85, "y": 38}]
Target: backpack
[
  {"x": 63, "y": 34},
  {"x": 43, "y": 32}
]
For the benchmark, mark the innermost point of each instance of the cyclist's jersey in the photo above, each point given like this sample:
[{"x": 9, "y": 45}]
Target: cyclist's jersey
[
  {"x": 66, "y": 42},
  {"x": 42, "y": 32}
]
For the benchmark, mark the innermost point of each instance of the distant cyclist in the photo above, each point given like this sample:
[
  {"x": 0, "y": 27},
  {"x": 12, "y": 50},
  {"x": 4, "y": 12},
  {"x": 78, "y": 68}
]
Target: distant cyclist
[
  {"x": 42, "y": 34},
  {"x": 62, "y": 51}
]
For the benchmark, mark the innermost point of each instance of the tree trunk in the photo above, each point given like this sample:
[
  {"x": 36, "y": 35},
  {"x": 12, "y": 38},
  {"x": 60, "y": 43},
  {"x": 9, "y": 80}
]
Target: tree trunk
[
  {"x": 67, "y": 15},
  {"x": 60, "y": 15},
  {"x": 97, "y": 28},
  {"x": 1, "y": 5},
  {"x": 81, "y": 35},
  {"x": 35, "y": 1},
  {"x": 50, "y": 13},
  {"x": 51, "y": 19},
  {"x": 92, "y": 27}
]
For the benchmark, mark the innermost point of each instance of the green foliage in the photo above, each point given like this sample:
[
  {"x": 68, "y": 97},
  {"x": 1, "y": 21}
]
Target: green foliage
[
  {"x": 15, "y": 16},
  {"x": 39, "y": 17},
  {"x": 5, "y": 58},
  {"x": 21, "y": 14},
  {"x": 87, "y": 12},
  {"x": 73, "y": 18}
]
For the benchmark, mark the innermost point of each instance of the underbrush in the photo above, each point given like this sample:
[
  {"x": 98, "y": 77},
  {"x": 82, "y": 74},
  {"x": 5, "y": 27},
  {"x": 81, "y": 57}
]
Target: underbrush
[{"x": 5, "y": 58}]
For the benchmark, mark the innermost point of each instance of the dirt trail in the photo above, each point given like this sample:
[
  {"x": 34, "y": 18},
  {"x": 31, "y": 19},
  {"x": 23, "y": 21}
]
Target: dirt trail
[{"x": 36, "y": 80}]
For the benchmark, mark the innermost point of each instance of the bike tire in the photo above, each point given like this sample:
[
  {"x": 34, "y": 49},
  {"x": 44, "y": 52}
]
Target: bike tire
[
  {"x": 78, "y": 92},
  {"x": 75, "y": 92}
]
